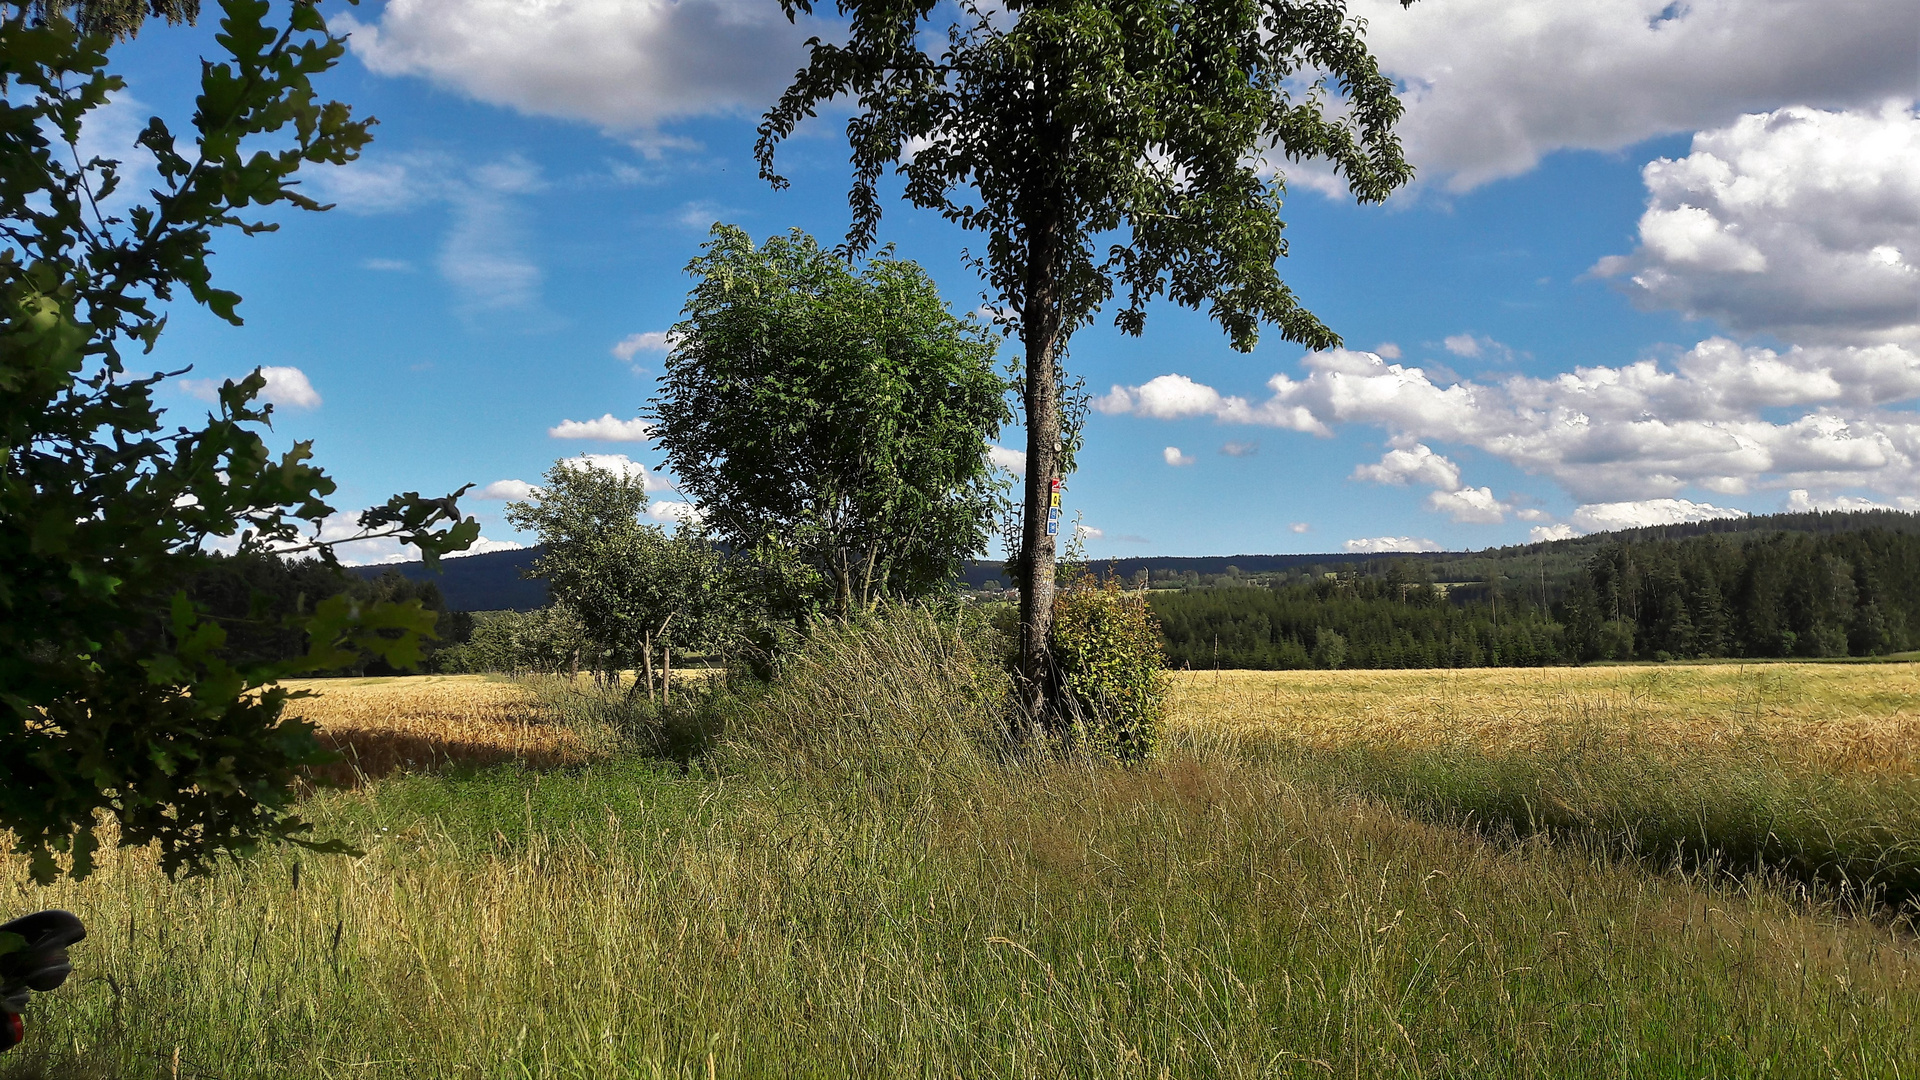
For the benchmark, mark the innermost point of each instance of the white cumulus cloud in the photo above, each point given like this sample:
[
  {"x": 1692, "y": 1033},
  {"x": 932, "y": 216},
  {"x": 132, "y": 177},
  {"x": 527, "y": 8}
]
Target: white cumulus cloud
[
  {"x": 1475, "y": 506},
  {"x": 608, "y": 428},
  {"x": 507, "y": 490},
  {"x": 1708, "y": 418},
  {"x": 1014, "y": 461},
  {"x": 1174, "y": 457},
  {"x": 1419, "y": 464},
  {"x": 1414, "y": 464},
  {"x": 289, "y": 386},
  {"x": 1800, "y": 501},
  {"x": 1492, "y": 86},
  {"x": 1604, "y": 517},
  {"x": 1540, "y": 534},
  {"x": 1798, "y": 222},
  {"x": 1169, "y": 397},
  {"x": 1379, "y": 545},
  {"x": 484, "y": 544},
  {"x": 646, "y": 341},
  {"x": 677, "y": 512},
  {"x": 619, "y": 465},
  {"x": 623, "y": 65}
]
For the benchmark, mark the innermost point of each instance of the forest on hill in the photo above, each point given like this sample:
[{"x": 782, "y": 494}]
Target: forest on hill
[
  {"x": 1773, "y": 594},
  {"x": 1815, "y": 584}
]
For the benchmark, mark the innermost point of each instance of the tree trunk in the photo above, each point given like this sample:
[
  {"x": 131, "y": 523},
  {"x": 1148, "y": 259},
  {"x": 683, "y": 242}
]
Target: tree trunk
[
  {"x": 666, "y": 668},
  {"x": 646, "y": 651},
  {"x": 1040, "y": 328}
]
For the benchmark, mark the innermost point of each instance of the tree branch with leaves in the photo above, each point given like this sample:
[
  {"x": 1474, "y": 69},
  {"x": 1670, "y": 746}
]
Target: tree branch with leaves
[{"x": 117, "y": 699}]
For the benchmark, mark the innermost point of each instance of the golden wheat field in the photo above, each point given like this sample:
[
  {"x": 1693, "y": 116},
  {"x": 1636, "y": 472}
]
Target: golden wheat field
[
  {"x": 383, "y": 726},
  {"x": 1843, "y": 716}
]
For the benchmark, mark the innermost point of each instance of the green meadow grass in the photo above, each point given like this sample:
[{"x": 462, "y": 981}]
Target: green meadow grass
[{"x": 857, "y": 879}]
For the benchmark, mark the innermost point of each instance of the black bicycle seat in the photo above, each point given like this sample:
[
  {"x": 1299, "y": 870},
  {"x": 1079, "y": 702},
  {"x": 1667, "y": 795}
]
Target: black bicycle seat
[{"x": 42, "y": 964}]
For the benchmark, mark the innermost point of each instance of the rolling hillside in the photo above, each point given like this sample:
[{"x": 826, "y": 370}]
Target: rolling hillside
[{"x": 493, "y": 581}]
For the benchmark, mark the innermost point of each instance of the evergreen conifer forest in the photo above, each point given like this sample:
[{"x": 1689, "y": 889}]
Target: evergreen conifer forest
[{"x": 1755, "y": 595}]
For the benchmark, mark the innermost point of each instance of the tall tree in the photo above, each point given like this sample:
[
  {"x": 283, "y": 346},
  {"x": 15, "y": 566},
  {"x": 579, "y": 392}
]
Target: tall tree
[
  {"x": 842, "y": 415},
  {"x": 117, "y": 696},
  {"x": 1101, "y": 145}
]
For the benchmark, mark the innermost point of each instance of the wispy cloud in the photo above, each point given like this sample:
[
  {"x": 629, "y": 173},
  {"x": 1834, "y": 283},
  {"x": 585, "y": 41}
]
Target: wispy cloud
[{"x": 484, "y": 253}]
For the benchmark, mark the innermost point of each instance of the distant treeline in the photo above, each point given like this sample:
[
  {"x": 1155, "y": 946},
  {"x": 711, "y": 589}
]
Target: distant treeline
[
  {"x": 1755, "y": 595},
  {"x": 1788, "y": 594},
  {"x": 253, "y": 598},
  {"x": 1350, "y": 621},
  {"x": 1840, "y": 585}
]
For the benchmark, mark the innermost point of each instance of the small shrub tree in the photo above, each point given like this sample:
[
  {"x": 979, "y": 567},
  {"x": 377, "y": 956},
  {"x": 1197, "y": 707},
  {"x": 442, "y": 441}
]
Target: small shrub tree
[
  {"x": 1107, "y": 651},
  {"x": 639, "y": 593},
  {"x": 1329, "y": 648},
  {"x": 547, "y": 640},
  {"x": 840, "y": 414}
]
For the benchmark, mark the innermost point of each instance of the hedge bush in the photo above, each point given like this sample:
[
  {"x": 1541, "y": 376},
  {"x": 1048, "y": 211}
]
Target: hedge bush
[{"x": 1107, "y": 650}]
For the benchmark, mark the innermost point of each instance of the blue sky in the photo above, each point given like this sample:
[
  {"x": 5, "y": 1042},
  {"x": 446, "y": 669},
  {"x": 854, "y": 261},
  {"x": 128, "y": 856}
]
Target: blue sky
[{"x": 1660, "y": 265}]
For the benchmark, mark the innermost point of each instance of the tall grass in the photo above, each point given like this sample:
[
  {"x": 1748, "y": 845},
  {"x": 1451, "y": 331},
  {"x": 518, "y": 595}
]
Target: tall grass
[
  {"x": 1701, "y": 769},
  {"x": 903, "y": 691},
  {"x": 1853, "y": 840},
  {"x": 812, "y": 898}
]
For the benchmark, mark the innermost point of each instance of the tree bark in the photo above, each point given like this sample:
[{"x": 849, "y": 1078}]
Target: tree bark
[
  {"x": 1040, "y": 328},
  {"x": 646, "y": 653}
]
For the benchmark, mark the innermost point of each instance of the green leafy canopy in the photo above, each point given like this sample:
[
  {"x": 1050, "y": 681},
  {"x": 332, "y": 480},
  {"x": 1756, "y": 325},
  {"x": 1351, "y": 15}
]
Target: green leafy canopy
[
  {"x": 116, "y": 697},
  {"x": 1144, "y": 137},
  {"x": 840, "y": 414}
]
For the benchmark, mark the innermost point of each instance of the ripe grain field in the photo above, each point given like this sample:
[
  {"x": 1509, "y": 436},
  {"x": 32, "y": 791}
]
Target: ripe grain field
[
  {"x": 384, "y": 726},
  {"x": 1301, "y": 885},
  {"x": 1845, "y": 717}
]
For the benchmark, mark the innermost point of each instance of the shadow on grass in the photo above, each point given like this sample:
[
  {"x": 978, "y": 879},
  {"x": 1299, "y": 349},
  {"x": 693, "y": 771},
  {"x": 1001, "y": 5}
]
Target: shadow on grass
[
  {"x": 612, "y": 720},
  {"x": 1849, "y": 841}
]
